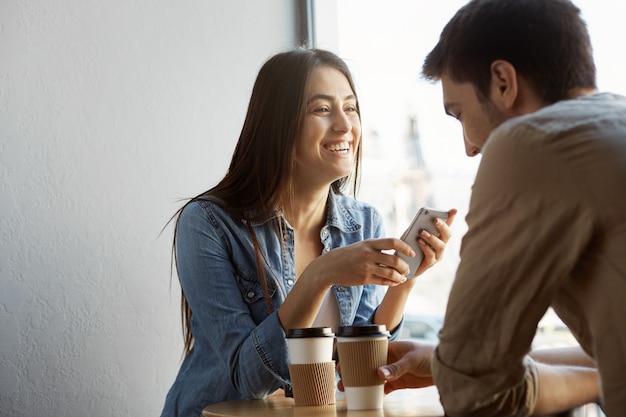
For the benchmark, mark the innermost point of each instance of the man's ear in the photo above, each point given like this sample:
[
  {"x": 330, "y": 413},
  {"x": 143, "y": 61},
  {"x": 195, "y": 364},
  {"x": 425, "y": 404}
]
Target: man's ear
[{"x": 504, "y": 84}]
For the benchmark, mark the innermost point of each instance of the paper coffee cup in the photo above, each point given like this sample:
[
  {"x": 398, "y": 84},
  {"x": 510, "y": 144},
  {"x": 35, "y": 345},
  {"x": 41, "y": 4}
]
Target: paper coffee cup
[
  {"x": 310, "y": 345},
  {"x": 362, "y": 350},
  {"x": 311, "y": 366}
]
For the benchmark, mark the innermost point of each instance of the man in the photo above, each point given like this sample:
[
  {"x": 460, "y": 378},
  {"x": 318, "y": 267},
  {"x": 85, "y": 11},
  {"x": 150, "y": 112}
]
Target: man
[{"x": 547, "y": 218}]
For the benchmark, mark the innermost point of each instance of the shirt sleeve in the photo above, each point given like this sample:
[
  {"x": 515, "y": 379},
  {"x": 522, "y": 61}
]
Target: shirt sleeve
[
  {"x": 526, "y": 230},
  {"x": 254, "y": 354}
]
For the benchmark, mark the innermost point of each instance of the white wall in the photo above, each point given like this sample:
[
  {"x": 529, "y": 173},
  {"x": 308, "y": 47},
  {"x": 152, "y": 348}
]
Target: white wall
[{"x": 110, "y": 112}]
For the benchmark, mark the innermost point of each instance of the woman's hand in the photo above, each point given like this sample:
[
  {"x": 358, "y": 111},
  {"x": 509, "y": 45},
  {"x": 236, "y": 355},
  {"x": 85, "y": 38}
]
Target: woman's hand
[
  {"x": 434, "y": 246},
  {"x": 367, "y": 262},
  {"x": 372, "y": 261}
]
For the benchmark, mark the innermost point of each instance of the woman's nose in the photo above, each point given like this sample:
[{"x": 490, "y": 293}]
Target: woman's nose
[{"x": 341, "y": 122}]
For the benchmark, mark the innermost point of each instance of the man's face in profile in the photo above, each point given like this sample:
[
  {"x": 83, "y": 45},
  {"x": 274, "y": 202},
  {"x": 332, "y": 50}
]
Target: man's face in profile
[{"x": 478, "y": 118}]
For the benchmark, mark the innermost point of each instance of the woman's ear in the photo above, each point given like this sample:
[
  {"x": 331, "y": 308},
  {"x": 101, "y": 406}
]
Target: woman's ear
[{"x": 504, "y": 84}]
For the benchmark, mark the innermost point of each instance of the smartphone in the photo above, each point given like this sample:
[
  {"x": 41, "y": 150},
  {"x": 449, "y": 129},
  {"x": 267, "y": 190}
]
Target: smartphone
[{"x": 424, "y": 219}]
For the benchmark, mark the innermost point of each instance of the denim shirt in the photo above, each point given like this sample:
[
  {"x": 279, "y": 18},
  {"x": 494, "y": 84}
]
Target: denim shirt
[{"x": 240, "y": 350}]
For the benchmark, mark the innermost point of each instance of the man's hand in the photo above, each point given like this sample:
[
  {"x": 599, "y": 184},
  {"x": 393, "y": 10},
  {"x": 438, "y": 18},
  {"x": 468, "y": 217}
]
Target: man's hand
[{"x": 408, "y": 366}]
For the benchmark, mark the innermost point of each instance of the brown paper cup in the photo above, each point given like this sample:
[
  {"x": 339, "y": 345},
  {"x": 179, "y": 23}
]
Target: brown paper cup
[
  {"x": 313, "y": 383},
  {"x": 360, "y": 361},
  {"x": 362, "y": 350}
]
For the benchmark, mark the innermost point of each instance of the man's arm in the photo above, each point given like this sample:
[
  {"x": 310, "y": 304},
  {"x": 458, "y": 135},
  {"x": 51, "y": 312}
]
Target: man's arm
[
  {"x": 574, "y": 356},
  {"x": 567, "y": 376},
  {"x": 565, "y": 387}
]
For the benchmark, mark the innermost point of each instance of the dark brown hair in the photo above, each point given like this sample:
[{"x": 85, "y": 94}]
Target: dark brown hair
[
  {"x": 545, "y": 40},
  {"x": 258, "y": 182}
]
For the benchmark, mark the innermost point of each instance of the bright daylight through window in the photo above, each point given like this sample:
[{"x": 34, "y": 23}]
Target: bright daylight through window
[{"x": 413, "y": 154}]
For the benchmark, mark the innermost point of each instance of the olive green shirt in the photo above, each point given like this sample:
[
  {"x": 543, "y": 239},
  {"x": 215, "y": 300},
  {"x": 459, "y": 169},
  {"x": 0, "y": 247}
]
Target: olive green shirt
[{"x": 547, "y": 227}]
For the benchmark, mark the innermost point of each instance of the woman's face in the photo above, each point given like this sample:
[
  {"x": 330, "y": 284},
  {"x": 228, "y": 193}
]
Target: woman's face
[{"x": 331, "y": 130}]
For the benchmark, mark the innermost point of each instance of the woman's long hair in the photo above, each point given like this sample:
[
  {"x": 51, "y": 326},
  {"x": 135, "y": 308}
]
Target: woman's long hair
[{"x": 258, "y": 183}]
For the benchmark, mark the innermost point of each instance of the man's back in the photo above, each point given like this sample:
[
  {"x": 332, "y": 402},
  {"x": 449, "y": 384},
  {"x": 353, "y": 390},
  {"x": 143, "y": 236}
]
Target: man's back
[{"x": 547, "y": 226}]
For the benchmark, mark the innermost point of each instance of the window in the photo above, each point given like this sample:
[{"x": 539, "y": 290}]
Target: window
[{"x": 413, "y": 153}]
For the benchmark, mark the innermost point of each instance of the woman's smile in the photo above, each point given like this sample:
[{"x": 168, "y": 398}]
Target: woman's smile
[{"x": 340, "y": 148}]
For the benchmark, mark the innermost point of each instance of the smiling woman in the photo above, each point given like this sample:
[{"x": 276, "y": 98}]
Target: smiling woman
[
  {"x": 277, "y": 245},
  {"x": 331, "y": 132}
]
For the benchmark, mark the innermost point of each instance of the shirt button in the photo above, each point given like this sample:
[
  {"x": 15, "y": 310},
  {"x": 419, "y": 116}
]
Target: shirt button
[
  {"x": 286, "y": 237},
  {"x": 251, "y": 294},
  {"x": 341, "y": 288},
  {"x": 327, "y": 248},
  {"x": 290, "y": 281}
]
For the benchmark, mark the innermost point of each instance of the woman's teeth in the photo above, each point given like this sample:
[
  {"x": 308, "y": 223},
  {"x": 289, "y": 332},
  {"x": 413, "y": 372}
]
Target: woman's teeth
[{"x": 339, "y": 147}]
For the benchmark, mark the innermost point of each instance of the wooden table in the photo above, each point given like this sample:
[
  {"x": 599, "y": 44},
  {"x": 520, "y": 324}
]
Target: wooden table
[{"x": 422, "y": 402}]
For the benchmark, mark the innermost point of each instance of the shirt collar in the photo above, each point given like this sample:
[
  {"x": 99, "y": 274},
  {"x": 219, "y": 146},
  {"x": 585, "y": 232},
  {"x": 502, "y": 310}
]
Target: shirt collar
[{"x": 338, "y": 216}]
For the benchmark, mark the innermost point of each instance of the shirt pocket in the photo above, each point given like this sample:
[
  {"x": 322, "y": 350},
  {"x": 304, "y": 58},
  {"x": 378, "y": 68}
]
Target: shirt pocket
[{"x": 251, "y": 289}]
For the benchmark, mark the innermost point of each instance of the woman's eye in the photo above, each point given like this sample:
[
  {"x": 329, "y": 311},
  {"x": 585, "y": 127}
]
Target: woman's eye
[
  {"x": 322, "y": 110},
  {"x": 351, "y": 109}
]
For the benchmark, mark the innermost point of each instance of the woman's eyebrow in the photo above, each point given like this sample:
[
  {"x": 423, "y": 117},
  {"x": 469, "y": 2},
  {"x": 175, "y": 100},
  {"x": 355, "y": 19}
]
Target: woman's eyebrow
[{"x": 330, "y": 98}]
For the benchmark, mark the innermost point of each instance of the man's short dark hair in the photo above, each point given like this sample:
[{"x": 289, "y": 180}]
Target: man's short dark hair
[{"x": 545, "y": 40}]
